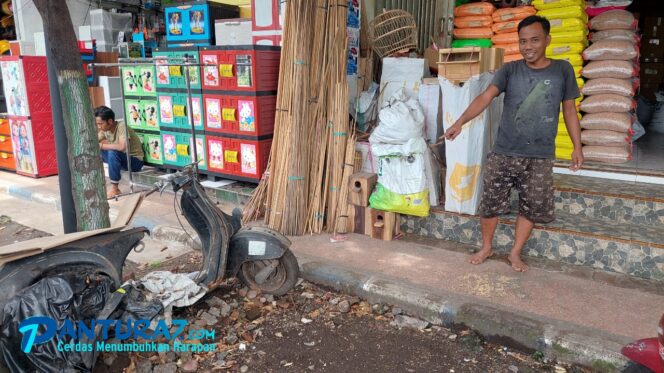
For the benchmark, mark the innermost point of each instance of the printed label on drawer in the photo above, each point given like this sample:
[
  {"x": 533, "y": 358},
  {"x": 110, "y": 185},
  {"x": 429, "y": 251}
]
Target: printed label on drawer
[
  {"x": 248, "y": 158},
  {"x": 166, "y": 109},
  {"x": 194, "y": 79},
  {"x": 213, "y": 113},
  {"x": 216, "y": 154},
  {"x": 247, "y": 117},
  {"x": 226, "y": 70},
  {"x": 4, "y": 155},
  {"x": 170, "y": 153},
  {"x": 3, "y": 139},
  {"x": 175, "y": 70},
  {"x": 211, "y": 72},
  {"x": 196, "y": 112},
  {"x": 230, "y": 156},
  {"x": 150, "y": 111},
  {"x": 182, "y": 150},
  {"x": 200, "y": 151},
  {"x": 228, "y": 114},
  {"x": 147, "y": 80},
  {"x": 163, "y": 75},
  {"x": 179, "y": 111}
]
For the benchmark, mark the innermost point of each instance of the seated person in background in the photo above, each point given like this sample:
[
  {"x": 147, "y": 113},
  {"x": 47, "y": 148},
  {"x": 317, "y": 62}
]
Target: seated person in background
[{"x": 112, "y": 141}]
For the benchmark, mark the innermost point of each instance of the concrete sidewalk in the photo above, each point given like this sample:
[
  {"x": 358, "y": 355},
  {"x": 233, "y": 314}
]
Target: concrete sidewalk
[{"x": 574, "y": 314}]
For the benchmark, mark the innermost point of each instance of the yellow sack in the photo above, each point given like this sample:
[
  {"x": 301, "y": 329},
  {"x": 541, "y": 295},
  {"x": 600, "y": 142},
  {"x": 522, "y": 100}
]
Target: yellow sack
[
  {"x": 574, "y": 59},
  {"x": 549, "y": 4},
  {"x": 563, "y": 141},
  {"x": 569, "y": 48},
  {"x": 561, "y": 118},
  {"x": 577, "y": 71},
  {"x": 568, "y": 24},
  {"x": 572, "y": 11},
  {"x": 416, "y": 204},
  {"x": 564, "y": 154},
  {"x": 567, "y": 37},
  {"x": 579, "y": 82}
]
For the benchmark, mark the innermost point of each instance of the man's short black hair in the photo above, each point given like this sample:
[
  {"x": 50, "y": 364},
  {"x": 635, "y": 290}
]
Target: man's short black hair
[
  {"x": 530, "y": 20},
  {"x": 105, "y": 113}
]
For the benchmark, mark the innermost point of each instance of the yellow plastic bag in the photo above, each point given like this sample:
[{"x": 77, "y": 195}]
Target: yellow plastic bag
[
  {"x": 416, "y": 204},
  {"x": 566, "y": 37},
  {"x": 568, "y": 48},
  {"x": 574, "y": 59},
  {"x": 567, "y": 24},
  {"x": 572, "y": 11},
  {"x": 550, "y": 4}
]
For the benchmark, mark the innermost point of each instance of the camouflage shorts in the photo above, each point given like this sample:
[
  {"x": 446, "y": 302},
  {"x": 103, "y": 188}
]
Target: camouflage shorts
[{"x": 533, "y": 179}]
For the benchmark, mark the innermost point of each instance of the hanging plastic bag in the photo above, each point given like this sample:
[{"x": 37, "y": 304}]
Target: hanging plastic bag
[
  {"x": 474, "y": 9},
  {"x": 619, "y": 122},
  {"x": 607, "y": 154},
  {"x": 624, "y": 87},
  {"x": 614, "y": 20},
  {"x": 610, "y": 69},
  {"x": 473, "y": 21},
  {"x": 611, "y": 50},
  {"x": 637, "y": 131}
]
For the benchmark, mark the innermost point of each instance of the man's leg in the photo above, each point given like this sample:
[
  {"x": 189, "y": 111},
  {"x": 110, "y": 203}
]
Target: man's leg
[
  {"x": 536, "y": 204},
  {"x": 497, "y": 181},
  {"x": 116, "y": 162}
]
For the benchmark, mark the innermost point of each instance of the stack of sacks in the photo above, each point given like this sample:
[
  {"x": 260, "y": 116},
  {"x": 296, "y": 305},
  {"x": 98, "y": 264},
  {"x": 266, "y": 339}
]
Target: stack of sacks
[
  {"x": 611, "y": 73},
  {"x": 472, "y": 25},
  {"x": 505, "y": 23},
  {"x": 569, "y": 33}
]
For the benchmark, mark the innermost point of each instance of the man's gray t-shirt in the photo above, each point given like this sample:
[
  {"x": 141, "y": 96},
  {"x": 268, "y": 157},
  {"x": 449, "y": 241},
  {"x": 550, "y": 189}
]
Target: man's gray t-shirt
[{"x": 531, "y": 107}]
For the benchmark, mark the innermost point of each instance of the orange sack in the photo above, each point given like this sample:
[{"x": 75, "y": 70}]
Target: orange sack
[
  {"x": 513, "y": 14},
  {"x": 505, "y": 27},
  {"x": 473, "y": 21},
  {"x": 473, "y": 33},
  {"x": 508, "y": 38},
  {"x": 474, "y": 9},
  {"x": 509, "y": 48}
]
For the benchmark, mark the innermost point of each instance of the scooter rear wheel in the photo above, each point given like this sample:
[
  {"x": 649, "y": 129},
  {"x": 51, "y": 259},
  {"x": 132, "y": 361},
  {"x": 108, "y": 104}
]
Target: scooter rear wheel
[{"x": 279, "y": 282}]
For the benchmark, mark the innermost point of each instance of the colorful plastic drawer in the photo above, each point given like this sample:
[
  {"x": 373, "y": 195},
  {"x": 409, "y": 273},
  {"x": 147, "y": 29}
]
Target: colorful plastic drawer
[
  {"x": 240, "y": 115},
  {"x": 194, "y": 21},
  {"x": 142, "y": 114},
  {"x": 153, "y": 149},
  {"x": 246, "y": 159},
  {"x": 250, "y": 68},
  {"x": 173, "y": 77},
  {"x": 138, "y": 80},
  {"x": 178, "y": 149},
  {"x": 173, "y": 110}
]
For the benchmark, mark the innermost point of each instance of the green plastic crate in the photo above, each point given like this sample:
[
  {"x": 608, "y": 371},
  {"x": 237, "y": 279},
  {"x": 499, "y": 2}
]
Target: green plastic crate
[
  {"x": 174, "y": 76},
  {"x": 178, "y": 149},
  {"x": 138, "y": 80},
  {"x": 153, "y": 149},
  {"x": 142, "y": 114},
  {"x": 173, "y": 110}
]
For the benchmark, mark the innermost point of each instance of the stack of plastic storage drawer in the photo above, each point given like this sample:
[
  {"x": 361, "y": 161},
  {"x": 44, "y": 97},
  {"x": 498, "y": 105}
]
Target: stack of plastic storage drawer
[
  {"x": 239, "y": 94},
  {"x": 6, "y": 148},
  {"x": 141, "y": 109},
  {"x": 176, "y": 141}
]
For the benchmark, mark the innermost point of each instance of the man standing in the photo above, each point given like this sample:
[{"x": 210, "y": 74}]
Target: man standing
[
  {"x": 112, "y": 136},
  {"x": 524, "y": 151}
]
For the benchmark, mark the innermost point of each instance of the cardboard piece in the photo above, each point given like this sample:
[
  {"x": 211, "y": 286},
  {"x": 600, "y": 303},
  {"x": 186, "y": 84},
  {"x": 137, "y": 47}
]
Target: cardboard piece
[{"x": 126, "y": 211}]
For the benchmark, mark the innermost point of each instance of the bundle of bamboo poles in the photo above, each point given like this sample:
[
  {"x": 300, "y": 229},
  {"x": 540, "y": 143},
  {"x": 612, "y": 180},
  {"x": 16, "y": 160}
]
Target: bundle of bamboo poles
[{"x": 314, "y": 142}]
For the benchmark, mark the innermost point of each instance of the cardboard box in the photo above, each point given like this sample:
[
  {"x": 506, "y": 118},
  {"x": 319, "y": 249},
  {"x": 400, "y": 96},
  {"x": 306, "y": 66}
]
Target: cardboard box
[
  {"x": 97, "y": 96},
  {"x": 652, "y": 50},
  {"x": 653, "y": 27},
  {"x": 652, "y": 73}
]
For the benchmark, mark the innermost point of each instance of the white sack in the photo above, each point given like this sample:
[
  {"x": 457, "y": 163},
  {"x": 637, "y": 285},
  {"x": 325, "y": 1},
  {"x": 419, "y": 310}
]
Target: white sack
[
  {"x": 399, "y": 120},
  {"x": 401, "y": 168}
]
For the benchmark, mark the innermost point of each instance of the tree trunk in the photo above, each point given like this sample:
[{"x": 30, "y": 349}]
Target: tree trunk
[{"x": 87, "y": 172}]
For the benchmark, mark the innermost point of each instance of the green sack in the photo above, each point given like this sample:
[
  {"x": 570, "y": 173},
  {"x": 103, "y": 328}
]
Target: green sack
[
  {"x": 463, "y": 43},
  {"x": 416, "y": 204}
]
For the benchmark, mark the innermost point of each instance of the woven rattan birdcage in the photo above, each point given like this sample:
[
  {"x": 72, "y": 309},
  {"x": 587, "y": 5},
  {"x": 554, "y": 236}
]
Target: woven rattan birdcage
[{"x": 392, "y": 31}]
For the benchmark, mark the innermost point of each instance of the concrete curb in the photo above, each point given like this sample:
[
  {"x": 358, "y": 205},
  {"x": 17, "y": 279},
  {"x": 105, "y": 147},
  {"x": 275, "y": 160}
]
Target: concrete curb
[
  {"x": 27, "y": 194},
  {"x": 560, "y": 340}
]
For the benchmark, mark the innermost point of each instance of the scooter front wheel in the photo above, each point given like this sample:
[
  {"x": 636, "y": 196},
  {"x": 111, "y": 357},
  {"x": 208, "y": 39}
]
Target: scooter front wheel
[{"x": 282, "y": 274}]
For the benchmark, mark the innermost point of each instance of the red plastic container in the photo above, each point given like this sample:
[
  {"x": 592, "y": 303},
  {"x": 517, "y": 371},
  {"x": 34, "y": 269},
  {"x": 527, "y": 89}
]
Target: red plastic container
[
  {"x": 7, "y": 161},
  {"x": 240, "y": 115},
  {"x": 239, "y": 159},
  {"x": 267, "y": 14},
  {"x": 249, "y": 68},
  {"x": 258, "y": 38}
]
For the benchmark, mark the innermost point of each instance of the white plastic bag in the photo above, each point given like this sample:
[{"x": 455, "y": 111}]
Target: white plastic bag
[
  {"x": 465, "y": 155},
  {"x": 400, "y": 120}
]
